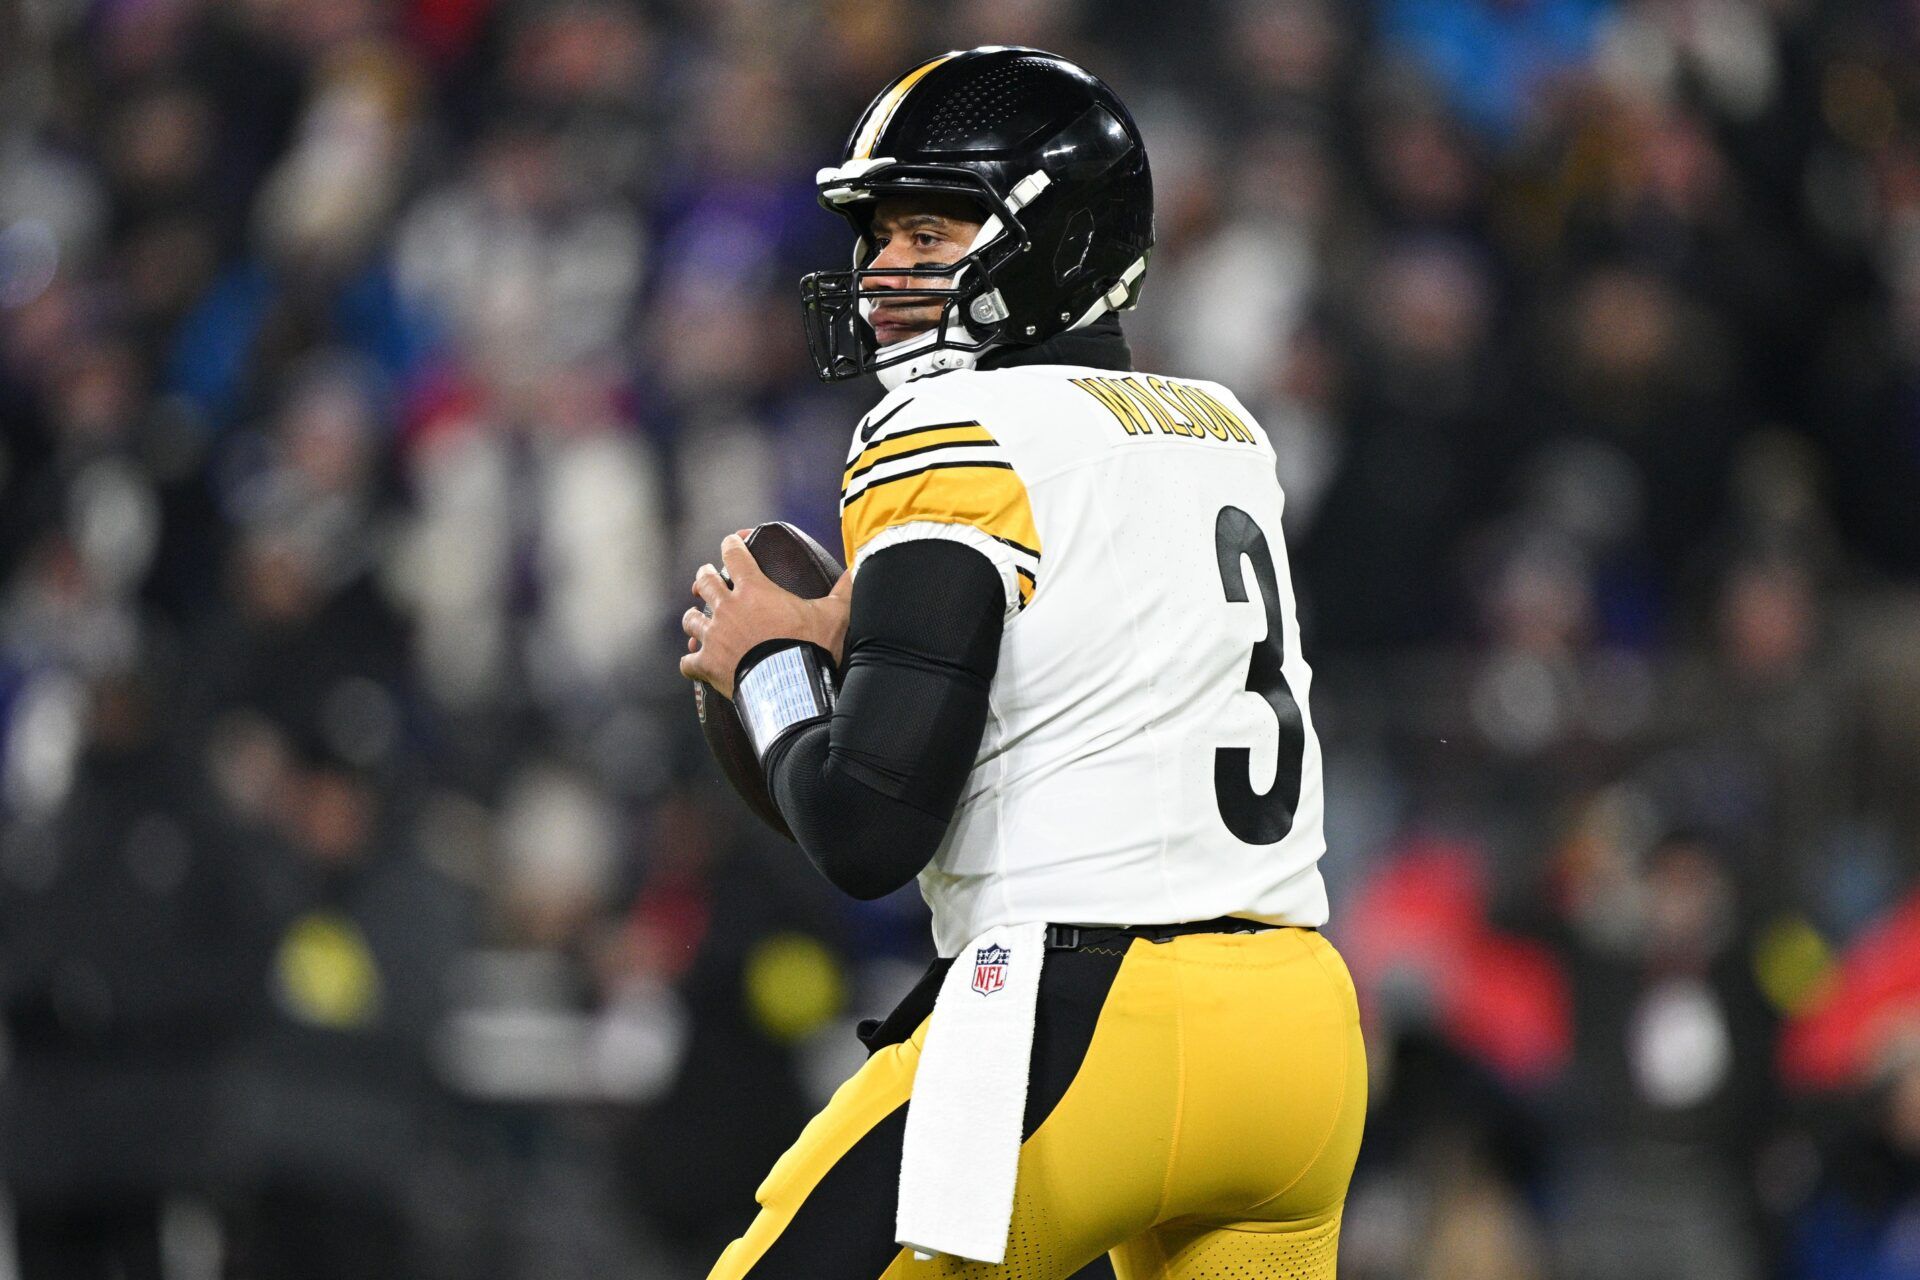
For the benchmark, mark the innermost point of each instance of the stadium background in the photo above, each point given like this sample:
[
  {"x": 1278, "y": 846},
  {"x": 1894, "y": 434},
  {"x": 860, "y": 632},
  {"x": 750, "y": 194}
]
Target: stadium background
[{"x": 373, "y": 373}]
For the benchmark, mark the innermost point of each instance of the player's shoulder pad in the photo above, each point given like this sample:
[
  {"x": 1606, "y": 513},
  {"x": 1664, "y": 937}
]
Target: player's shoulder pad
[{"x": 926, "y": 464}]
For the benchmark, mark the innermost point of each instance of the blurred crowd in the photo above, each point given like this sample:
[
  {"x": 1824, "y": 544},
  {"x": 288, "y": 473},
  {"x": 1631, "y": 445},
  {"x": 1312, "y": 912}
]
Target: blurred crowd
[{"x": 373, "y": 374}]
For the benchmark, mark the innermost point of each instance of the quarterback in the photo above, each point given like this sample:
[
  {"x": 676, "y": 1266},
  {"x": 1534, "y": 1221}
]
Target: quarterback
[{"x": 1068, "y": 697}]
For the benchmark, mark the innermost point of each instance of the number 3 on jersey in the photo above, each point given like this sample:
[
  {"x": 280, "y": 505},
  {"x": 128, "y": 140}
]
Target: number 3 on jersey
[{"x": 1253, "y": 816}]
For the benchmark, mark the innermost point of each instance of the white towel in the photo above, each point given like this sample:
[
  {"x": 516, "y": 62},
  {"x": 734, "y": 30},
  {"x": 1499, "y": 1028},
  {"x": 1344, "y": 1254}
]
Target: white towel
[{"x": 961, "y": 1152}]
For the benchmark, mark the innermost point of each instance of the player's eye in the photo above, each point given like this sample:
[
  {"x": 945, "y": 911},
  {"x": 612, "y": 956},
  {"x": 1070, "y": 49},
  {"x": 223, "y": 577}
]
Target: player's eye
[{"x": 926, "y": 239}]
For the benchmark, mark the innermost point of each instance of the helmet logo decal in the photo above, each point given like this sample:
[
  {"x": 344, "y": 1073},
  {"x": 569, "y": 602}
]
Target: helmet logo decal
[{"x": 889, "y": 103}]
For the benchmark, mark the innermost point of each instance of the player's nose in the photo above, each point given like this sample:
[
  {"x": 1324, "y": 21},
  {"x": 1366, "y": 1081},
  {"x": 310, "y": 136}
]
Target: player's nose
[{"x": 886, "y": 260}]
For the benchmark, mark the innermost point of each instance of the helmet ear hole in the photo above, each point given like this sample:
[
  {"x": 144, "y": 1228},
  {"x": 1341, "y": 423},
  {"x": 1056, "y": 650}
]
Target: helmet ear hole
[{"x": 1070, "y": 259}]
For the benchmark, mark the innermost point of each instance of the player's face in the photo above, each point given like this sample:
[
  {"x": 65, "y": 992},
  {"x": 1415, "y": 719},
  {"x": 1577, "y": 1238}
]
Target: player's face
[{"x": 916, "y": 231}]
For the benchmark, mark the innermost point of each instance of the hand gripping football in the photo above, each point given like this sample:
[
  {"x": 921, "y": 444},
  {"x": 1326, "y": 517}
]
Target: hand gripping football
[{"x": 794, "y": 561}]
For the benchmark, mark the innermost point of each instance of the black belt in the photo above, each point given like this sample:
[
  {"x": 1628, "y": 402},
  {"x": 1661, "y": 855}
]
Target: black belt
[
  {"x": 877, "y": 1033},
  {"x": 1071, "y": 937}
]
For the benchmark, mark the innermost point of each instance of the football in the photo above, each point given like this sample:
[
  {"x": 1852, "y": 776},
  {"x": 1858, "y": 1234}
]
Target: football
[{"x": 796, "y": 562}]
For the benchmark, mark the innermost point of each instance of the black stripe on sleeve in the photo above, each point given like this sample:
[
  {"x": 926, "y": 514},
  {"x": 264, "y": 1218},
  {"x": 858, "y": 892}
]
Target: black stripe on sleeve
[
  {"x": 917, "y": 471},
  {"x": 931, "y": 426},
  {"x": 1015, "y": 545},
  {"x": 910, "y": 453}
]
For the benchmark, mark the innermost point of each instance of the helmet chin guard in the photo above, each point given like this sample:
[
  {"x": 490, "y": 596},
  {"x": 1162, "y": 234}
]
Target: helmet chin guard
[
  {"x": 916, "y": 357},
  {"x": 1051, "y": 158}
]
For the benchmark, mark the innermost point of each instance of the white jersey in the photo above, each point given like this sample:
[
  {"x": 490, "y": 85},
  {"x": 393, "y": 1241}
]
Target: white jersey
[{"x": 1148, "y": 756}]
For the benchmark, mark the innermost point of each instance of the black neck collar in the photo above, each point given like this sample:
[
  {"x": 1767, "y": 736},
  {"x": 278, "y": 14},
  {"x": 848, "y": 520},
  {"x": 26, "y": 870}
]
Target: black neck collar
[{"x": 1100, "y": 345}]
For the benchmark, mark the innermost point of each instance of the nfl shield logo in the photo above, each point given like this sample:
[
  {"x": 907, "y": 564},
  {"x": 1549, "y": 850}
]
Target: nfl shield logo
[{"x": 990, "y": 969}]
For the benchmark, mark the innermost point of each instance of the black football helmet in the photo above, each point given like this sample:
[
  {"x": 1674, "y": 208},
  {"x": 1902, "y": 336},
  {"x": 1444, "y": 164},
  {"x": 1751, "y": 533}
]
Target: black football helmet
[{"x": 1058, "y": 168}]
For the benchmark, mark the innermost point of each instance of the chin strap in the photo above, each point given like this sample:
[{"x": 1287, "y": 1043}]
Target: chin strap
[
  {"x": 935, "y": 360},
  {"x": 1118, "y": 298}
]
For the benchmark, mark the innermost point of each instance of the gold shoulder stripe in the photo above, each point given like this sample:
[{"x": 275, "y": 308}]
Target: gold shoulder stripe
[
  {"x": 888, "y": 104},
  {"x": 904, "y": 444},
  {"x": 984, "y": 464},
  {"x": 932, "y": 447},
  {"x": 986, "y": 495}
]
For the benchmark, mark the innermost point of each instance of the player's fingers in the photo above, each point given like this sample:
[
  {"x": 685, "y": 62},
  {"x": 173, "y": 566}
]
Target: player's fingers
[
  {"x": 691, "y": 667},
  {"x": 843, "y": 589},
  {"x": 739, "y": 561},
  {"x": 709, "y": 585},
  {"x": 695, "y": 624}
]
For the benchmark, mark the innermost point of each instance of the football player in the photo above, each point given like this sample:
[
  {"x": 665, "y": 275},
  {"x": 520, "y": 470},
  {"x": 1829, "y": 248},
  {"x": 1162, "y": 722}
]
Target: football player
[{"x": 1070, "y": 699}]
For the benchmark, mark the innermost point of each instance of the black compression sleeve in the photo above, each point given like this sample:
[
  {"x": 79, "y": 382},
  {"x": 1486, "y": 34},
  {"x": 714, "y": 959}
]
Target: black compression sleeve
[{"x": 869, "y": 793}]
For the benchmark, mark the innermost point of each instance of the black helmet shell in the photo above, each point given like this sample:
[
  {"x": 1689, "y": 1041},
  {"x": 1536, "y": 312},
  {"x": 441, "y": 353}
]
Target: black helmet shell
[{"x": 1056, "y": 163}]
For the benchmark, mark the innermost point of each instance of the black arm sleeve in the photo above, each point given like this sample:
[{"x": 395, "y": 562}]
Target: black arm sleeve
[{"x": 869, "y": 793}]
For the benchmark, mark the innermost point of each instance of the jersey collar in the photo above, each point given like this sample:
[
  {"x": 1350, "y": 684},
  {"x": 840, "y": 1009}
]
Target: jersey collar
[{"x": 1100, "y": 345}]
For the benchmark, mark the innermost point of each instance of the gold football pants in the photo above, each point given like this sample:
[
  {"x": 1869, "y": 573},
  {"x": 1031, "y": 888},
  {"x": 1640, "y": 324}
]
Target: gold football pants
[{"x": 1194, "y": 1109}]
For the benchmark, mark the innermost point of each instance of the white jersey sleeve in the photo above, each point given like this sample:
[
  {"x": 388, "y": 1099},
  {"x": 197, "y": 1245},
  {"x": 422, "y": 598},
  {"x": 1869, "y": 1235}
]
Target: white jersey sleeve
[{"x": 921, "y": 467}]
